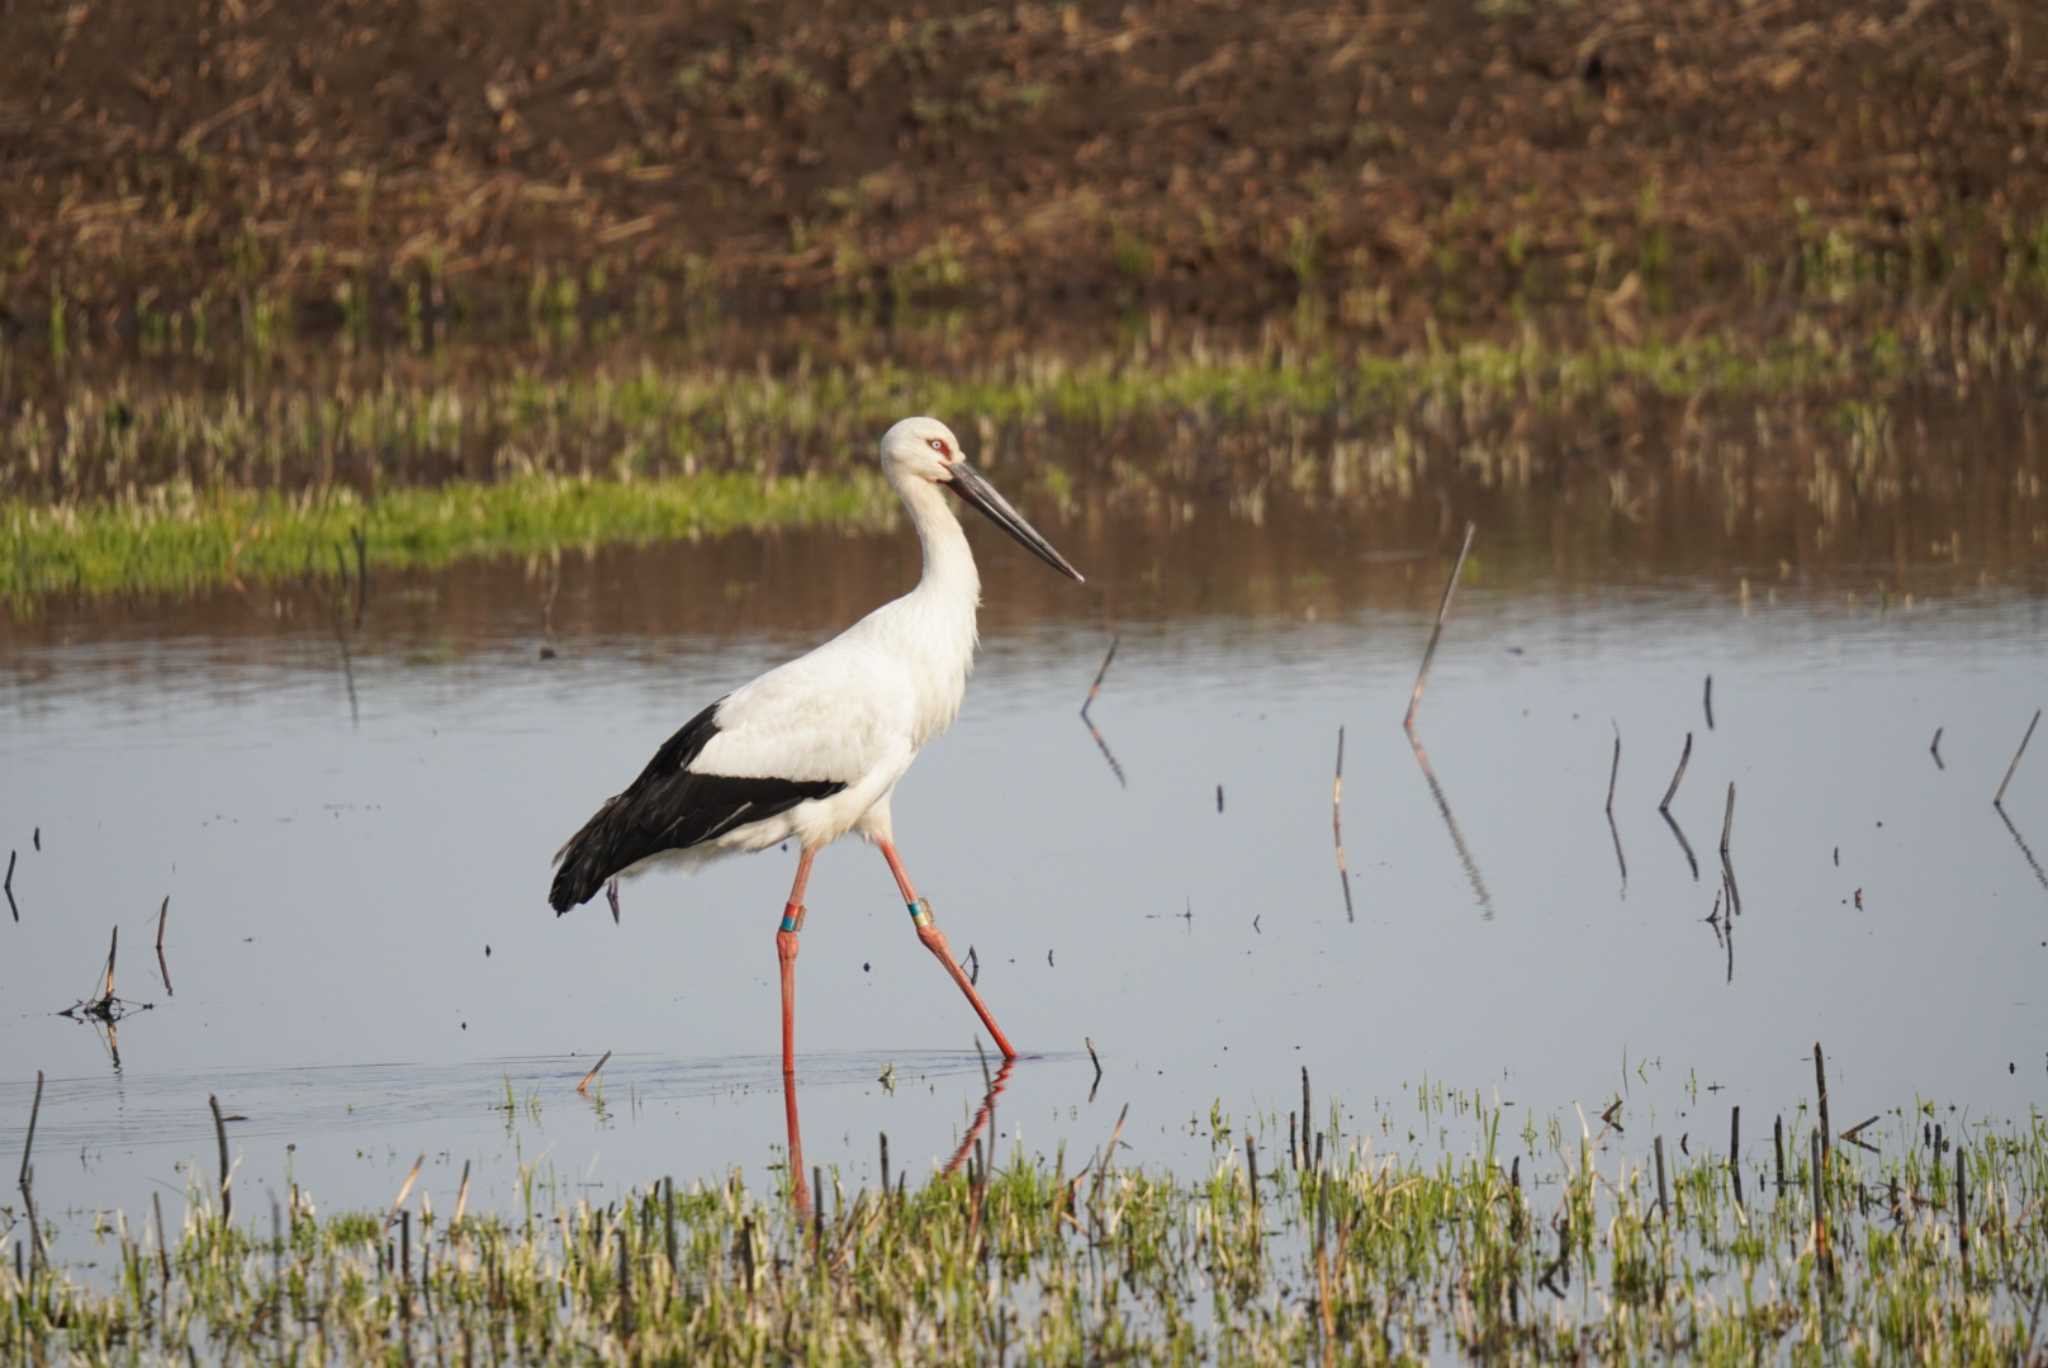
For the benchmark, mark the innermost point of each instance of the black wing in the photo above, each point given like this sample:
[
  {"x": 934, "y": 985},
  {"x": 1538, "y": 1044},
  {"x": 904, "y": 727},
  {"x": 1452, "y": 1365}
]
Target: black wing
[{"x": 669, "y": 807}]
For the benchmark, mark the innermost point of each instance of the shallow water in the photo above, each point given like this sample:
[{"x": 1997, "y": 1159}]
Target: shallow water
[{"x": 354, "y": 827}]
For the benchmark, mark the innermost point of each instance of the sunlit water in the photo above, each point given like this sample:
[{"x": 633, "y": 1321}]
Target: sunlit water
[{"x": 362, "y": 967}]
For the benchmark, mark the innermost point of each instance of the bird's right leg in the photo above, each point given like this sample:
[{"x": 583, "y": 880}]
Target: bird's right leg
[{"x": 785, "y": 951}]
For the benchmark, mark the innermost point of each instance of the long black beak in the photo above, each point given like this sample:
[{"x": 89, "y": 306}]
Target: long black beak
[{"x": 974, "y": 488}]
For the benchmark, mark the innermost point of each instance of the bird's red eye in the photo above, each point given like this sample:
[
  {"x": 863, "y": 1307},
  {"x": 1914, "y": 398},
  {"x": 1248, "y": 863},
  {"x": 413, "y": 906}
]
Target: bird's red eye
[{"x": 938, "y": 445}]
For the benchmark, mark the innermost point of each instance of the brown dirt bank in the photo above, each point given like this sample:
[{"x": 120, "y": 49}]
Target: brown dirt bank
[{"x": 358, "y": 163}]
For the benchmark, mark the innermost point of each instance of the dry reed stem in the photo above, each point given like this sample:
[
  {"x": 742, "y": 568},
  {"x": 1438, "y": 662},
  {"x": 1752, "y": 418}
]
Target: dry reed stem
[
  {"x": 220, "y": 1138},
  {"x": 404, "y": 1191},
  {"x": 1443, "y": 610},
  {"x": 1337, "y": 828},
  {"x": 1998, "y": 799},
  {"x": 1684, "y": 758}
]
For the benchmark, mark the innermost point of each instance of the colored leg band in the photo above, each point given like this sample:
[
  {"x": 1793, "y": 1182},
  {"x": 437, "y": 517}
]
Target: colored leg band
[
  {"x": 788, "y": 922},
  {"x": 920, "y": 912}
]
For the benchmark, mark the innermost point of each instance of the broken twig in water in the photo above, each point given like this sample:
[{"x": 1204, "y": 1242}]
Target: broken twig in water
[
  {"x": 1707, "y": 701},
  {"x": 1998, "y": 800},
  {"x": 404, "y": 1191},
  {"x": 1854, "y": 1135},
  {"x": 583, "y": 1088},
  {"x": 1337, "y": 827},
  {"x": 1728, "y": 820},
  {"x": 26, "y": 1179},
  {"x": 1820, "y": 1088},
  {"x": 1684, "y": 758},
  {"x": 1613, "y": 770},
  {"x": 1109, "y": 1152},
  {"x": 1613, "y": 774},
  {"x": 163, "y": 914},
  {"x": 1092, "y": 1057},
  {"x": 220, "y": 1139},
  {"x": 1096, "y": 732},
  {"x": 1934, "y": 749},
  {"x": 1443, "y": 611},
  {"x": 1096, "y": 687},
  {"x": 12, "y": 906}
]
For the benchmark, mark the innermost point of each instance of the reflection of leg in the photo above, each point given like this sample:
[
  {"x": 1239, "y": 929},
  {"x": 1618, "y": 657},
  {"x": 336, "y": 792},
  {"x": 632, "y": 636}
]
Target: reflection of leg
[
  {"x": 785, "y": 951},
  {"x": 935, "y": 941},
  {"x": 983, "y": 1117},
  {"x": 797, "y": 1191}
]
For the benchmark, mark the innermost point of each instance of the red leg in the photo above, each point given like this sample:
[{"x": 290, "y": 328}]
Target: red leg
[
  {"x": 799, "y": 1191},
  {"x": 935, "y": 941},
  {"x": 785, "y": 951}
]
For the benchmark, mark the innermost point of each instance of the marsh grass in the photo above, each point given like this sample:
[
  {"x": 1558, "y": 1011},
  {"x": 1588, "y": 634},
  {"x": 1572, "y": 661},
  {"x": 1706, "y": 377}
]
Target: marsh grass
[
  {"x": 181, "y": 538},
  {"x": 1560, "y": 1252},
  {"x": 124, "y": 481}
]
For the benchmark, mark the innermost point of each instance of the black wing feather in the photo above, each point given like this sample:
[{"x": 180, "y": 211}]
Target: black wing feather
[{"x": 670, "y": 808}]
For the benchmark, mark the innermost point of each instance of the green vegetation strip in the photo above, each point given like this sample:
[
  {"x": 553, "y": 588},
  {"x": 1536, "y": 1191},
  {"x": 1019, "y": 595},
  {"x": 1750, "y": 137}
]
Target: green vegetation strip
[
  {"x": 1918, "y": 1250},
  {"x": 118, "y": 484},
  {"x": 175, "y": 539}
]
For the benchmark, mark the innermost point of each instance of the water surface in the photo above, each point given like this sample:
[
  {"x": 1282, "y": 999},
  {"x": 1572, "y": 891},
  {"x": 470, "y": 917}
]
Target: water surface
[{"x": 353, "y": 823}]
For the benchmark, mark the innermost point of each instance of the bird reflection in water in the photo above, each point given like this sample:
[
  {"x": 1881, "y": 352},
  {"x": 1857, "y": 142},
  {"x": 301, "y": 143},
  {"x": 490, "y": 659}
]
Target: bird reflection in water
[{"x": 982, "y": 1124}]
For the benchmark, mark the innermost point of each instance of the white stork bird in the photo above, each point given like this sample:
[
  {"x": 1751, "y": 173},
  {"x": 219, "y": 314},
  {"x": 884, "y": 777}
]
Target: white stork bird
[{"x": 813, "y": 749}]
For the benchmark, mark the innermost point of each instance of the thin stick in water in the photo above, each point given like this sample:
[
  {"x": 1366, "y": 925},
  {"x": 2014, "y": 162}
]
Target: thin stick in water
[
  {"x": 404, "y": 1191},
  {"x": 1999, "y": 799},
  {"x": 1337, "y": 828},
  {"x": 1096, "y": 687},
  {"x": 1684, "y": 757},
  {"x": 1935, "y": 749},
  {"x": 1613, "y": 770},
  {"x": 1092, "y": 1058},
  {"x": 27, "y": 1177},
  {"x": 1109, "y": 1152},
  {"x": 1708, "y": 702},
  {"x": 220, "y": 1139},
  {"x": 163, "y": 914},
  {"x": 1820, "y": 1211},
  {"x": 12, "y": 906},
  {"x": 1096, "y": 732},
  {"x": 1735, "y": 1148},
  {"x": 1306, "y": 1128},
  {"x": 1728, "y": 820},
  {"x": 163, "y": 1253},
  {"x": 1820, "y": 1085},
  {"x": 461, "y": 1196},
  {"x": 583, "y": 1088},
  {"x": 1443, "y": 610}
]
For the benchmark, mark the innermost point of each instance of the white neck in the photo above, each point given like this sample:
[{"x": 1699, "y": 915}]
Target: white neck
[{"x": 949, "y": 571}]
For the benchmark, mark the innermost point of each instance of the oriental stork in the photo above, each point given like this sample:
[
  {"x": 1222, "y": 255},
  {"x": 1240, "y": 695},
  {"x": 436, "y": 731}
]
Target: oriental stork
[{"x": 813, "y": 749}]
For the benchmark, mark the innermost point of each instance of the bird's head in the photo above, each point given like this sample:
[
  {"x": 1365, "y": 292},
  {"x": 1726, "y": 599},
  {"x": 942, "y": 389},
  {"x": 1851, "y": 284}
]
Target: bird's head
[{"x": 924, "y": 450}]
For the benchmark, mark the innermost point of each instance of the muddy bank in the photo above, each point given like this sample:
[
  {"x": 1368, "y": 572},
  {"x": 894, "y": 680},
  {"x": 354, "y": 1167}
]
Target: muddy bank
[{"x": 249, "y": 170}]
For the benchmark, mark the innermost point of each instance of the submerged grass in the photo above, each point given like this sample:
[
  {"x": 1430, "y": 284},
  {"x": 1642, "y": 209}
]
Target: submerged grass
[
  {"x": 180, "y": 538},
  {"x": 1570, "y": 1249}
]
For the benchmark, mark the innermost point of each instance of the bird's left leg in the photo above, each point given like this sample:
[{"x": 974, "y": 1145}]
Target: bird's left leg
[
  {"x": 935, "y": 941},
  {"x": 785, "y": 951}
]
